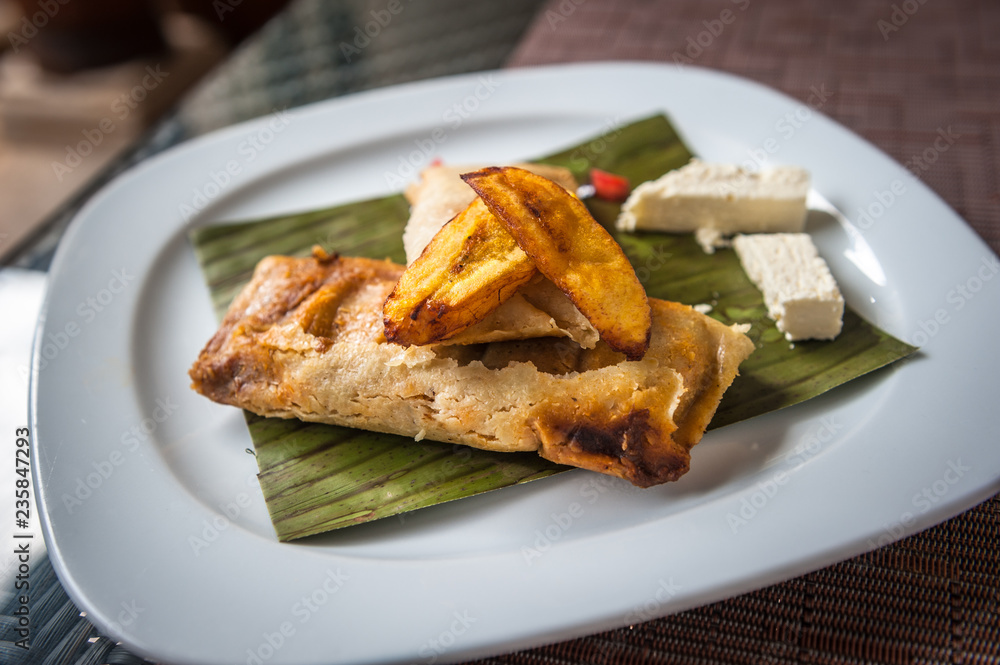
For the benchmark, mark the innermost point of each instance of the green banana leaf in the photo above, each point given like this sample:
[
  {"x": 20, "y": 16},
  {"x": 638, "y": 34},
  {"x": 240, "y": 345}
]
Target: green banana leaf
[{"x": 317, "y": 478}]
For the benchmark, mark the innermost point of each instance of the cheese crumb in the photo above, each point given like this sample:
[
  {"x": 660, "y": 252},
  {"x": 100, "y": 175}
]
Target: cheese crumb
[
  {"x": 799, "y": 291},
  {"x": 709, "y": 239}
]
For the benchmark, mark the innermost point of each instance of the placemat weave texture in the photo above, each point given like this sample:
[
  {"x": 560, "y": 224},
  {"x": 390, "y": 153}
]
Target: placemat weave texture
[
  {"x": 901, "y": 75},
  {"x": 898, "y": 79}
]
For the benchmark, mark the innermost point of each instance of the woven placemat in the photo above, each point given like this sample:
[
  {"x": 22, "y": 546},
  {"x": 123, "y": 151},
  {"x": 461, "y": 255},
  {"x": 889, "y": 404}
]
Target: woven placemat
[
  {"x": 898, "y": 79},
  {"x": 901, "y": 75}
]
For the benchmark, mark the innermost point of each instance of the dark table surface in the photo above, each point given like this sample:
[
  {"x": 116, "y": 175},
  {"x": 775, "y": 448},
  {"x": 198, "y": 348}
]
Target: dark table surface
[{"x": 897, "y": 73}]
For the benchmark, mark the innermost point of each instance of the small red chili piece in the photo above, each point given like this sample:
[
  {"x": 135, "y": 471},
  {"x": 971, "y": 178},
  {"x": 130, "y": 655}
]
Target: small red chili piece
[{"x": 609, "y": 186}]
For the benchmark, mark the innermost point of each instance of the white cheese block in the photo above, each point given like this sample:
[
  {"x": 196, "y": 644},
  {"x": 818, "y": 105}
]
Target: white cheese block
[
  {"x": 719, "y": 199},
  {"x": 799, "y": 291}
]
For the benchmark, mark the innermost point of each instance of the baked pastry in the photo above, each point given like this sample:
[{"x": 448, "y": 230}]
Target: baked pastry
[
  {"x": 304, "y": 339},
  {"x": 538, "y": 309},
  {"x": 440, "y": 194}
]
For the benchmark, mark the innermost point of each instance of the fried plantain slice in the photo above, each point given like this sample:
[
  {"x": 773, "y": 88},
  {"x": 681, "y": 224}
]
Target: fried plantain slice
[
  {"x": 567, "y": 245},
  {"x": 468, "y": 269}
]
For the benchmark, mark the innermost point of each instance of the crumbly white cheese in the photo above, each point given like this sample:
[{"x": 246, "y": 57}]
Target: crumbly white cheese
[
  {"x": 702, "y": 308},
  {"x": 714, "y": 200},
  {"x": 800, "y": 293}
]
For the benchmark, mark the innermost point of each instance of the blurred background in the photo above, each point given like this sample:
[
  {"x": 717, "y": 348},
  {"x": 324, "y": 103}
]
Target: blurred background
[
  {"x": 90, "y": 87},
  {"x": 80, "y": 80}
]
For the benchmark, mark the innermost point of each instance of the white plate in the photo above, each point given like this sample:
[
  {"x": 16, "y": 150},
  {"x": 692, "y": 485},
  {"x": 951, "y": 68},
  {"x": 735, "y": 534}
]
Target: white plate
[{"x": 156, "y": 524}]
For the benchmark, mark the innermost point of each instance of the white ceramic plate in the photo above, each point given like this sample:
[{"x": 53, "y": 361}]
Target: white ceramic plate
[{"x": 153, "y": 516}]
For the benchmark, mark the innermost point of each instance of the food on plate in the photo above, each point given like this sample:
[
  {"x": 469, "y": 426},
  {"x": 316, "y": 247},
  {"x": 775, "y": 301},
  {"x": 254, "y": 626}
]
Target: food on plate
[
  {"x": 569, "y": 247},
  {"x": 800, "y": 293},
  {"x": 609, "y": 186},
  {"x": 468, "y": 269},
  {"x": 304, "y": 339},
  {"x": 304, "y": 464},
  {"x": 539, "y": 309},
  {"x": 440, "y": 194},
  {"x": 716, "y": 200},
  {"x": 489, "y": 350}
]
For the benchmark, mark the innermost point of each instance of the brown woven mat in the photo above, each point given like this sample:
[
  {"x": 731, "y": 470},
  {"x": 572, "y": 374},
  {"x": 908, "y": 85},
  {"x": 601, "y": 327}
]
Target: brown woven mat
[
  {"x": 933, "y": 597},
  {"x": 898, "y": 88}
]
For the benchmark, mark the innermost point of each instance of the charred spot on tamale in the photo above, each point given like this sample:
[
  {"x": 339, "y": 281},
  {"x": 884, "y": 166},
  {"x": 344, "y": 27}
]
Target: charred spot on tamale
[{"x": 629, "y": 446}]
